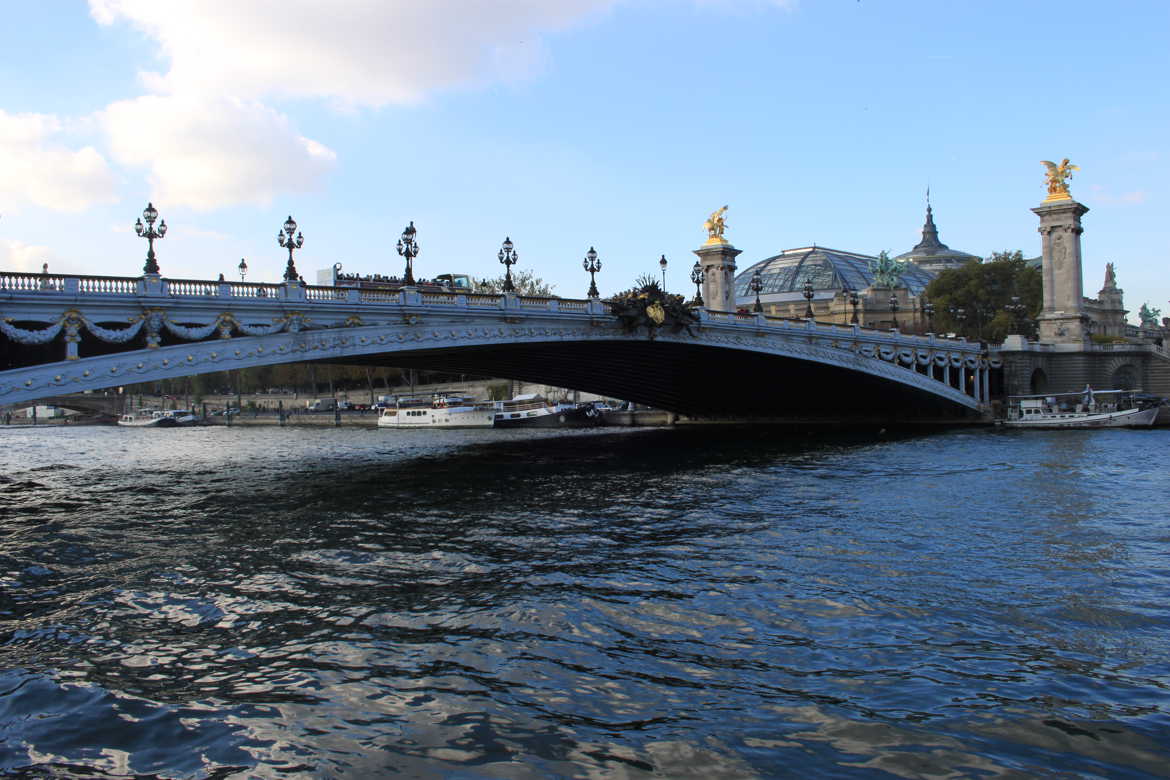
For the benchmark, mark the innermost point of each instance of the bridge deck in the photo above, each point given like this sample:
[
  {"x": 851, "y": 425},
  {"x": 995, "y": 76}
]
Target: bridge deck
[{"x": 121, "y": 331}]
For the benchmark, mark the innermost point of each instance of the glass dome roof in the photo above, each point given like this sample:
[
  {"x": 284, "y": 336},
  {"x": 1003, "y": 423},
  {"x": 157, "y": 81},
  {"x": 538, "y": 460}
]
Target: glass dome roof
[{"x": 829, "y": 270}]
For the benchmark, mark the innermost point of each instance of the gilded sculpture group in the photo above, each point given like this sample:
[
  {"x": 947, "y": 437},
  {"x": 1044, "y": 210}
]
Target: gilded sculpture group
[{"x": 1058, "y": 176}]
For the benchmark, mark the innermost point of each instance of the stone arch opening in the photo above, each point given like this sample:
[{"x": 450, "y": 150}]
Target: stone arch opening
[
  {"x": 1125, "y": 377},
  {"x": 1039, "y": 382}
]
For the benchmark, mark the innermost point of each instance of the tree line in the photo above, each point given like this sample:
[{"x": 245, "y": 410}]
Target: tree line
[{"x": 988, "y": 301}]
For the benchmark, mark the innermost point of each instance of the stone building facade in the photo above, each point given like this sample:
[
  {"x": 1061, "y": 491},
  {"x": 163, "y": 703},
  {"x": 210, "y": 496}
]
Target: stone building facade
[
  {"x": 932, "y": 255},
  {"x": 1082, "y": 341},
  {"x": 839, "y": 277},
  {"x": 835, "y": 276}
]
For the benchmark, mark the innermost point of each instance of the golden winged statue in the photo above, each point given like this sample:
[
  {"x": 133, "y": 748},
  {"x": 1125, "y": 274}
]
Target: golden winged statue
[
  {"x": 715, "y": 225},
  {"x": 1058, "y": 176}
]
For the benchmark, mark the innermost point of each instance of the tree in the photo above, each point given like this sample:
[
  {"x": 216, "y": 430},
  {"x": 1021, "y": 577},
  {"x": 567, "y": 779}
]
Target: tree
[
  {"x": 526, "y": 283},
  {"x": 973, "y": 300}
]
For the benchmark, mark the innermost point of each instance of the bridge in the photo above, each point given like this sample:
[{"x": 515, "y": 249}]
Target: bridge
[{"x": 62, "y": 334}]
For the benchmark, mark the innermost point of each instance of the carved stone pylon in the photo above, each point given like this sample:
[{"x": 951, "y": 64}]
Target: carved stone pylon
[
  {"x": 718, "y": 263},
  {"x": 1063, "y": 319}
]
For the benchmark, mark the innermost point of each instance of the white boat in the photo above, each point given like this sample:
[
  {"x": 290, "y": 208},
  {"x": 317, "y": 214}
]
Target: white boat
[
  {"x": 532, "y": 411},
  {"x": 440, "y": 411},
  {"x": 1086, "y": 409},
  {"x": 156, "y": 418}
]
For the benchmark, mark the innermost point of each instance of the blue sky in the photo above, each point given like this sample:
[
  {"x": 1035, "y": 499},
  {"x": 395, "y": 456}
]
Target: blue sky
[{"x": 565, "y": 124}]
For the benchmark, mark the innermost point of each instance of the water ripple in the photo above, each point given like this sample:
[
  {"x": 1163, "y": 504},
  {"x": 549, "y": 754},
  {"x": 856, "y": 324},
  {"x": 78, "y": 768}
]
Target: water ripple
[{"x": 686, "y": 603}]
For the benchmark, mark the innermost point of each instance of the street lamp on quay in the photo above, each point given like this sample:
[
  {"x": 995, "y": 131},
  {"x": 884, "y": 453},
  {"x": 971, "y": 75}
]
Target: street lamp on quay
[
  {"x": 408, "y": 248},
  {"x": 894, "y": 309},
  {"x": 757, "y": 284},
  {"x": 958, "y": 316},
  {"x": 854, "y": 301},
  {"x": 243, "y": 269},
  {"x": 662, "y": 265},
  {"x": 592, "y": 265},
  {"x": 1016, "y": 309},
  {"x": 928, "y": 310},
  {"x": 697, "y": 279},
  {"x": 290, "y": 227},
  {"x": 508, "y": 256},
  {"x": 808, "y": 296},
  {"x": 150, "y": 214}
]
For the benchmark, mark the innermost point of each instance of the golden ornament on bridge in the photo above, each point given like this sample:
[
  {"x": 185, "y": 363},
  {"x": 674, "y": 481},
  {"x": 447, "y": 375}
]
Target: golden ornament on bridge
[
  {"x": 714, "y": 227},
  {"x": 1058, "y": 176}
]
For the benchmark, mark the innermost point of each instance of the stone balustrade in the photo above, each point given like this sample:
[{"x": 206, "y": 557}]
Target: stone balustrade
[{"x": 210, "y": 316}]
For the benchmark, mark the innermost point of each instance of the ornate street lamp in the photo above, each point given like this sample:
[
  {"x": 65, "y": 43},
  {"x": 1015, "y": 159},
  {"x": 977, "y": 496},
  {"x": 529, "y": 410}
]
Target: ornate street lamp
[
  {"x": 928, "y": 310},
  {"x": 1017, "y": 309},
  {"x": 808, "y": 296},
  {"x": 757, "y": 284},
  {"x": 150, "y": 214},
  {"x": 854, "y": 301},
  {"x": 243, "y": 268},
  {"x": 958, "y": 316},
  {"x": 894, "y": 309},
  {"x": 286, "y": 240},
  {"x": 408, "y": 248},
  {"x": 697, "y": 279},
  {"x": 592, "y": 265},
  {"x": 662, "y": 265},
  {"x": 508, "y": 256}
]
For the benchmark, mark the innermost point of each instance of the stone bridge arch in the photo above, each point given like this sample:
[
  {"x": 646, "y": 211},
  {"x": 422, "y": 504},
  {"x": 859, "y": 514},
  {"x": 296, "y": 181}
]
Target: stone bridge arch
[
  {"x": 725, "y": 364},
  {"x": 1123, "y": 373}
]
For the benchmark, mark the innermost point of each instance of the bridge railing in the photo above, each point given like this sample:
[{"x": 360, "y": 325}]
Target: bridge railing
[
  {"x": 12, "y": 281},
  {"x": 101, "y": 286},
  {"x": 29, "y": 282},
  {"x": 325, "y": 293},
  {"x": 107, "y": 285},
  {"x": 788, "y": 323},
  {"x": 192, "y": 287},
  {"x": 254, "y": 289}
]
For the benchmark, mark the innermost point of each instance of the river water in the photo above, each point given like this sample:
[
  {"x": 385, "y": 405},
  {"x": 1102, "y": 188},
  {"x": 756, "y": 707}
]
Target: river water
[{"x": 687, "y": 603}]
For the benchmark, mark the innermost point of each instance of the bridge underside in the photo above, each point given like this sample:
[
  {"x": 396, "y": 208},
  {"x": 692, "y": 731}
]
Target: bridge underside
[{"x": 691, "y": 379}]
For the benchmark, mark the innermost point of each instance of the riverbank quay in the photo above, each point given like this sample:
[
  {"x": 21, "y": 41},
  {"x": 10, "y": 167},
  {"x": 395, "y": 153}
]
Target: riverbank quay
[{"x": 642, "y": 418}]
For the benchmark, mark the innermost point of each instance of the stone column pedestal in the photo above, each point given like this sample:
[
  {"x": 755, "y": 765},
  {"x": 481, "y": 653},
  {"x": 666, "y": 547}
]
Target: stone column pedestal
[
  {"x": 718, "y": 263},
  {"x": 1063, "y": 319}
]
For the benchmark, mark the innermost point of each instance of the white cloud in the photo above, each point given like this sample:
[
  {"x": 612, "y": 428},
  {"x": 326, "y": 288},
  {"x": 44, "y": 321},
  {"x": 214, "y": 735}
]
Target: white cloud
[
  {"x": 358, "y": 53},
  {"x": 20, "y": 257},
  {"x": 211, "y": 152},
  {"x": 34, "y": 169},
  {"x": 1132, "y": 198},
  {"x": 208, "y": 141}
]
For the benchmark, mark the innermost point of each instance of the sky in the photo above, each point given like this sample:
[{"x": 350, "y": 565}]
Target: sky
[{"x": 570, "y": 124}]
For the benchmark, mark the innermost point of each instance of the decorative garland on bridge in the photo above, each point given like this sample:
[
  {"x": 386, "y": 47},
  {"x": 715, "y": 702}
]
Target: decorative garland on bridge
[
  {"x": 650, "y": 307},
  {"x": 111, "y": 336},
  {"x": 153, "y": 320},
  {"x": 21, "y": 336}
]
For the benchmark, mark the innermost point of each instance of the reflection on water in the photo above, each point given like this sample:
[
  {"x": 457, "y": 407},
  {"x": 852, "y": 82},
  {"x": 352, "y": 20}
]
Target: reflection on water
[{"x": 684, "y": 603}]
